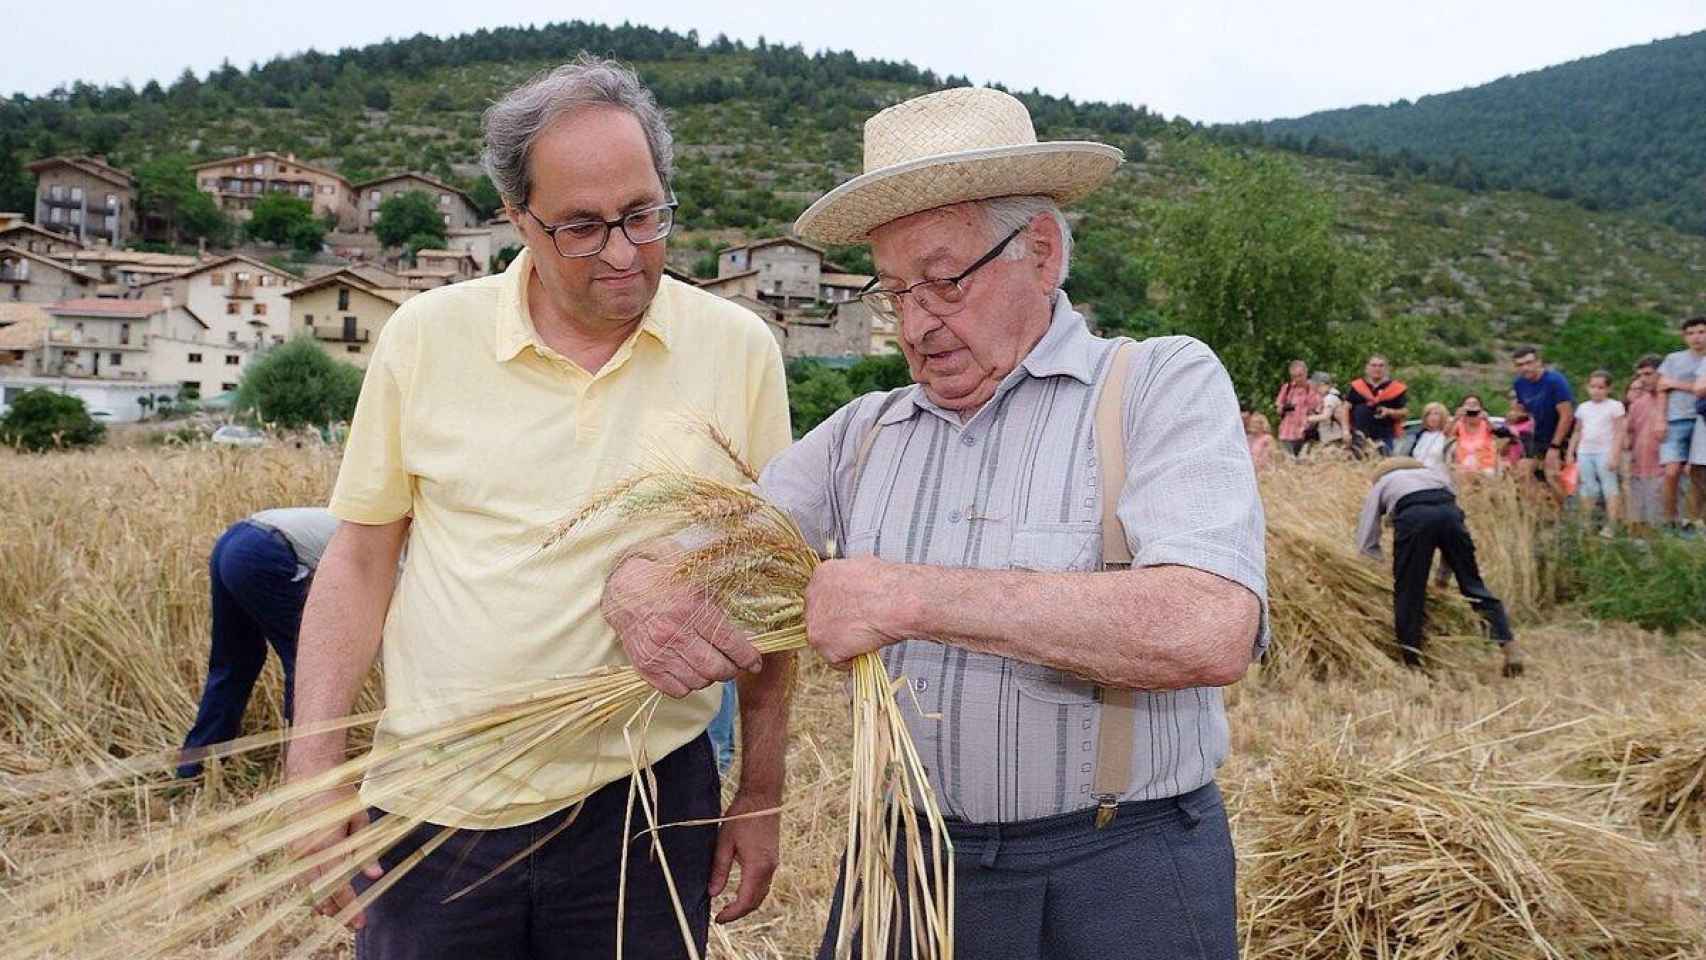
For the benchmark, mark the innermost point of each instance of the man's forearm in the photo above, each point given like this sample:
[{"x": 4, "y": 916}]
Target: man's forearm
[
  {"x": 338, "y": 641},
  {"x": 764, "y": 699},
  {"x": 1152, "y": 628}
]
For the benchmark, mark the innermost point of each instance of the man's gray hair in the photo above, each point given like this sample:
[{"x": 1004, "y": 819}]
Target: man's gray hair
[
  {"x": 1007, "y": 214},
  {"x": 515, "y": 122}
]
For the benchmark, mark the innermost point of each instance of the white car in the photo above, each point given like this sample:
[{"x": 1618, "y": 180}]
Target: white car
[{"x": 234, "y": 435}]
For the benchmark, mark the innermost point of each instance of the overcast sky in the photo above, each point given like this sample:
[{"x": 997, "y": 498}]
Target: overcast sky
[{"x": 1209, "y": 60}]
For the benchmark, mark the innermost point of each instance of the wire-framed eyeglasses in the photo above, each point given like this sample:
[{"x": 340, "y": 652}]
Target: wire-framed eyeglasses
[{"x": 943, "y": 297}]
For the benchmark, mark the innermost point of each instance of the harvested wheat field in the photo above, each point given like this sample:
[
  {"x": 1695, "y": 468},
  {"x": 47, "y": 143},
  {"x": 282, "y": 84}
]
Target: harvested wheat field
[{"x": 1378, "y": 812}]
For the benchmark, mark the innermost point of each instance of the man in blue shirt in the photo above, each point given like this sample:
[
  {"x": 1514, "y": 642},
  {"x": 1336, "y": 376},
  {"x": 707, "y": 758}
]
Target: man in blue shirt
[{"x": 1545, "y": 394}]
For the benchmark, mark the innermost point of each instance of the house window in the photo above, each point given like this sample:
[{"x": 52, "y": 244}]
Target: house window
[
  {"x": 305, "y": 190},
  {"x": 230, "y": 336},
  {"x": 373, "y": 197},
  {"x": 56, "y": 192},
  {"x": 77, "y": 216},
  {"x": 115, "y": 359},
  {"x": 76, "y": 194},
  {"x": 232, "y": 307},
  {"x": 190, "y": 385},
  {"x": 194, "y": 358},
  {"x": 228, "y": 387},
  {"x": 325, "y": 188},
  {"x": 70, "y": 354},
  {"x": 283, "y": 169},
  {"x": 308, "y": 320},
  {"x": 349, "y": 328},
  {"x": 218, "y": 279},
  {"x": 58, "y": 215},
  {"x": 353, "y": 348},
  {"x": 444, "y": 199},
  {"x": 112, "y": 201},
  {"x": 233, "y": 359},
  {"x": 124, "y": 333},
  {"x": 260, "y": 309},
  {"x": 447, "y": 219},
  {"x": 276, "y": 339},
  {"x": 112, "y": 221},
  {"x": 343, "y": 298},
  {"x": 260, "y": 168}
]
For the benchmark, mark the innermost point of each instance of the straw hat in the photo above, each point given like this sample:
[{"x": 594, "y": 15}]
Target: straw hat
[{"x": 964, "y": 144}]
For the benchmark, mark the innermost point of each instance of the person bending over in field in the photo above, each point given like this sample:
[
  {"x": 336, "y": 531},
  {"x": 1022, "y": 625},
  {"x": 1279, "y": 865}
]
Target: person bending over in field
[
  {"x": 259, "y": 575},
  {"x": 1425, "y": 517}
]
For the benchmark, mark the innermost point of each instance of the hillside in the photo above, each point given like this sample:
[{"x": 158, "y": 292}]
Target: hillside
[
  {"x": 1618, "y": 131},
  {"x": 764, "y": 129}
]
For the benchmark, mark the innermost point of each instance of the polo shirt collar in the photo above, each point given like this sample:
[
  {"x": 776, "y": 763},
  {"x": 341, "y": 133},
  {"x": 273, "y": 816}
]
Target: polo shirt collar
[
  {"x": 1066, "y": 349},
  {"x": 515, "y": 331}
]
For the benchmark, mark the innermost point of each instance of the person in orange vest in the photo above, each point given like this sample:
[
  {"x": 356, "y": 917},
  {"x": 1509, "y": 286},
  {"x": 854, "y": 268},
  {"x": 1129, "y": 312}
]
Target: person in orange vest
[{"x": 1376, "y": 404}]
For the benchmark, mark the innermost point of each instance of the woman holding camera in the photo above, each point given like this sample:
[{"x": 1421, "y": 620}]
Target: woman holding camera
[
  {"x": 1297, "y": 399},
  {"x": 1476, "y": 450}
]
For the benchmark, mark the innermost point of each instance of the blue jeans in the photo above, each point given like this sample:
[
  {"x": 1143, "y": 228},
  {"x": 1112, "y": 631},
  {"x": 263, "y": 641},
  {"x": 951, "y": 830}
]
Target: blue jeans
[
  {"x": 723, "y": 729},
  {"x": 256, "y": 601}
]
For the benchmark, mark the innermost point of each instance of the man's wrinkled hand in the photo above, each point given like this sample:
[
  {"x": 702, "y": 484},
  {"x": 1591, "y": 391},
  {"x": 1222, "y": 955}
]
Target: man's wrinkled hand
[
  {"x": 314, "y": 843},
  {"x": 754, "y": 842},
  {"x": 677, "y": 640},
  {"x": 850, "y": 608}
]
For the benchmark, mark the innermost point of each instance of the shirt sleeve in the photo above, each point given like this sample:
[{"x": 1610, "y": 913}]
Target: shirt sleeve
[
  {"x": 1190, "y": 496},
  {"x": 803, "y": 479},
  {"x": 768, "y": 428},
  {"x": 374, "y": 487},
  {"x": 1561, "y": 389},
  {"x": 1368, "y": 523}
]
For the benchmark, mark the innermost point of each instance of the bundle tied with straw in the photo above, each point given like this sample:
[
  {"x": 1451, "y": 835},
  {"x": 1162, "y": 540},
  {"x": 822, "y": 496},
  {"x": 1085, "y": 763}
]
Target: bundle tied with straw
[
  {"x": 1420, "y": 857},
  {"x": 227, "y": 874}
]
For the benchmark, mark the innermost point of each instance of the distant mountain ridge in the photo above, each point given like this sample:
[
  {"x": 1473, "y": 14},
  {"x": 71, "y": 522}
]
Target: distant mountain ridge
[{"x": 1624, "y": 130}]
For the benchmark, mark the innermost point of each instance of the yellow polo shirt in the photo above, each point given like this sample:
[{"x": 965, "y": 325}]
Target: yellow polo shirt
[{"x": 486, "y": 436}]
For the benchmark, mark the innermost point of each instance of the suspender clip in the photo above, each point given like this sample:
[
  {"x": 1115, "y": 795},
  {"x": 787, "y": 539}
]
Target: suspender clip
[{"x": 1107, "y": 806}]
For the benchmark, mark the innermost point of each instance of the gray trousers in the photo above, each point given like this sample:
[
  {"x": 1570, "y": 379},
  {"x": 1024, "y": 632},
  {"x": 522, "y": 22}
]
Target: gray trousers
[{"x": 1155, "y": 884}]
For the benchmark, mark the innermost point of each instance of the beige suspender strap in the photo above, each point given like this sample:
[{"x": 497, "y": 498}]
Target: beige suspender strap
[{"x": 1114, "y": 742}]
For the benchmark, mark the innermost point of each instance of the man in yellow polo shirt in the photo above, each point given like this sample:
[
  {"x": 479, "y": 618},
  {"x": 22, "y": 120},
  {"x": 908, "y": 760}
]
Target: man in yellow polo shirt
[{"x": 490, "y": 409}]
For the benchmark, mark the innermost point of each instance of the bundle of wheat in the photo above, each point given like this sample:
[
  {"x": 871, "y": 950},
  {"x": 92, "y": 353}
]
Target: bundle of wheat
[
  {"x": 1649, "y": 766},
  {"x": 1422, "y": 857},
  {"x": 1331, "y": 607}
]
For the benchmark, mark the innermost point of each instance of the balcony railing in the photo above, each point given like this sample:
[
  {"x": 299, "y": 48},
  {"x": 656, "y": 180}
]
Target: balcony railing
[
  {"x": 340, "y": 335},
  {"x": 94, "y": 203},
  {"x": 242, "y": 291},
  {"x": 9, "y": 275}
]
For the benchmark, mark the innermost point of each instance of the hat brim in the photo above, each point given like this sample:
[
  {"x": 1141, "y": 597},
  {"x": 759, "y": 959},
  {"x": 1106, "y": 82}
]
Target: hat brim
[{"x": 1065, "y": 171}]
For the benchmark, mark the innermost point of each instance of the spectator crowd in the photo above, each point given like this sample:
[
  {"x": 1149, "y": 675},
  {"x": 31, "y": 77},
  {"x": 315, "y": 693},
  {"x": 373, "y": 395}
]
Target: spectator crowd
[{"x": 1627, "y": 453}]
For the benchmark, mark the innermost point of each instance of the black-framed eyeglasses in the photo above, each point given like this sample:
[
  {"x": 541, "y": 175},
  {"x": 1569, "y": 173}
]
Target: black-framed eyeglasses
[
  {"x": 587, "y": 238},
  {"x": 942, "y": 297}
]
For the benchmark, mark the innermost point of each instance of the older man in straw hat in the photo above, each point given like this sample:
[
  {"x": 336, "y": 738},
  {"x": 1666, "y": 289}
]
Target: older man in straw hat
[{"x": 1054, "y": 538}]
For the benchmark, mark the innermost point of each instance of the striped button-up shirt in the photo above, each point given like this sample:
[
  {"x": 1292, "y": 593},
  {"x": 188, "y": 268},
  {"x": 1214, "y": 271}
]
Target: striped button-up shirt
[{"x": 1015, "y": 487}]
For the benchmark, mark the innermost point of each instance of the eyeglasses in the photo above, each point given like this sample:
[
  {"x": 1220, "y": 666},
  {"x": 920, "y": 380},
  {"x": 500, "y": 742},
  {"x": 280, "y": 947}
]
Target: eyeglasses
[
  {"x": 944, "y": 297},
  {"x": 587, "y": 238}
]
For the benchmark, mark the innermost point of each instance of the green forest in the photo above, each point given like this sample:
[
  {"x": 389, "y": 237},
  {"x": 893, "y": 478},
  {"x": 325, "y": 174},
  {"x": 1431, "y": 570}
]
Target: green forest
[
  {"x": 1264, "y": 253},
  {"x": 1620, "y": 131}
]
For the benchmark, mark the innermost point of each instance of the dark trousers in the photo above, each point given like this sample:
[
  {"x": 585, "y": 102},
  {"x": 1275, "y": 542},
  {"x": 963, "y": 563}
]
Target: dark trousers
[
  {"x": 1423, "y": 523},
  {"x": 256, "y": 601},
  {"x": 1155, "y": 884},
  {"x": 559, "y": 900}
]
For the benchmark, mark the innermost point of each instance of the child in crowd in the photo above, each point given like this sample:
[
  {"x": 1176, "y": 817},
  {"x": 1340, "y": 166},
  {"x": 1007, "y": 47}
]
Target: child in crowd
[
  {"x": 1645, "y": 427},
  {"x": 1325, "y": 420},
  {"x": 1261, "y": 440},
  {"x": 1596, "y": 447},
  {"x": 1519, "y": 430},
  {"x": 1475, "y": 445}
]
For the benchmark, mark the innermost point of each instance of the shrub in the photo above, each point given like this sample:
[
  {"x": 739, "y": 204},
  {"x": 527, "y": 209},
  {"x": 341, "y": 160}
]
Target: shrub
[
  {"x": 1657, "y": 584},
  {"x": 298, "y": 385},
  {"x": 44, "y": 420}
]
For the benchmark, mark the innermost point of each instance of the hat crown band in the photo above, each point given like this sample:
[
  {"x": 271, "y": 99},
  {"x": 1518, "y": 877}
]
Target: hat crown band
[{"x": 951, "y": 121}]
